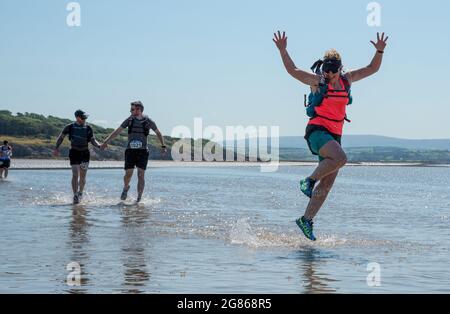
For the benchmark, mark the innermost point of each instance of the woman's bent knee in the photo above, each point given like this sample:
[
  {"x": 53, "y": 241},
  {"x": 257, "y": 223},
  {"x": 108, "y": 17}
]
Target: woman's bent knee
[{"x": 342, "y": 161}]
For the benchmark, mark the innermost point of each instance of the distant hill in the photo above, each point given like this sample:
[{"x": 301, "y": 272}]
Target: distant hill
[
  {"x": 375, "y": 154},
  {"x": 368, "y": 148},
  {"x": 350, "y": 141},
  {"x": 373, "y": 141}
]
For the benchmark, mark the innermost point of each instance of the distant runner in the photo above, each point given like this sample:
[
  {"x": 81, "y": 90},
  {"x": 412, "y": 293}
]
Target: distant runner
[
  {"x": 5, "y": 159},
  {"x": 80, "y": 135},
  {"x": 330, "y": 95},
  {"x": 136, "y": 153}
]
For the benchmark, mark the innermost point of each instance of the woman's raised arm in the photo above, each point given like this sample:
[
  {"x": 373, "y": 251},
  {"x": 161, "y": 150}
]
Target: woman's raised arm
[{"x": 303, "y": 76}]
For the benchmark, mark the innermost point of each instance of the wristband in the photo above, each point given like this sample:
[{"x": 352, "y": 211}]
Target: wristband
[{"x": 380, "y": 51}]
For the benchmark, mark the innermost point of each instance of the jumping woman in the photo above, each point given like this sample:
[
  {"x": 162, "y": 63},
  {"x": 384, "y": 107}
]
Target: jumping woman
[{"x": 330, "y": 95}]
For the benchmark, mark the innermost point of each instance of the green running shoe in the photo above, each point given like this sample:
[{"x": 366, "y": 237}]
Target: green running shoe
[
  {"x": 307, "y": 186},
  {"x": 307, "y": 227}
]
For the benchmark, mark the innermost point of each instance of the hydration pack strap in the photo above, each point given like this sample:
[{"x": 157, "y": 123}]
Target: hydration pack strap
[
  {"x": 335, "y": 96},
  {"x": 334, "y": 120},
  {"x": 70, "y": 131}
]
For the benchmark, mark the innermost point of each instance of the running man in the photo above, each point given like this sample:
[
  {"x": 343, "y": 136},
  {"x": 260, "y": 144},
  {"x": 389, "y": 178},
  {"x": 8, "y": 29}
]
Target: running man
[
  {"x": 136, "y": 153},
  {"x": 80, "y": 135},
  {"x": 330, "y": 88},
  {"x": 5, "y": 159}
]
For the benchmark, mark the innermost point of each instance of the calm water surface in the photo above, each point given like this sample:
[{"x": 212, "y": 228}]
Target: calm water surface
[{"x": 226, "y": 230}]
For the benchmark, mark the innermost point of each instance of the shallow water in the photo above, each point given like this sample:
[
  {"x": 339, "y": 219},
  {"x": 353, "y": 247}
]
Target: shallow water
[{"x": 226, "y": 230}]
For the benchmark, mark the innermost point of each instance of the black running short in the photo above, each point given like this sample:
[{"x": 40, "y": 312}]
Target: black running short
[
  {"x": 136, "y": 158},
  {"x": 79, "y": 157},
  {"x": 5, "y": 163}
]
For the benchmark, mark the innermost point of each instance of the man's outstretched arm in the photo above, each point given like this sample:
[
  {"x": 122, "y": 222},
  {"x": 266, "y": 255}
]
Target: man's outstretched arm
[
  {"x": 160, "y": 137},
  {"x": 112, "y": 136},
  {"x": 161, "y": 140},
  {"x": 95, "y": 142},
  {"x": 59, "y": 141}
]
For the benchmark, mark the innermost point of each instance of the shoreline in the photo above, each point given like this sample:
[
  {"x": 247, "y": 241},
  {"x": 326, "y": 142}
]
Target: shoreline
[{"x": 60, "y": 164}]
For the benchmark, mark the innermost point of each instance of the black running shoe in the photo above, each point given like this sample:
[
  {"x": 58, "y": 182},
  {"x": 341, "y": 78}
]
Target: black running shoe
[
  {"x": 76, "y": 199},
  {"x": 124, "y": 194}
]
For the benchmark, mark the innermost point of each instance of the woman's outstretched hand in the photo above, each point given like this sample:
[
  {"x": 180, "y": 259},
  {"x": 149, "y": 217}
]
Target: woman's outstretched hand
[
  {"x": 381, "y": 42},
  {"x": 280, "y": 40}
]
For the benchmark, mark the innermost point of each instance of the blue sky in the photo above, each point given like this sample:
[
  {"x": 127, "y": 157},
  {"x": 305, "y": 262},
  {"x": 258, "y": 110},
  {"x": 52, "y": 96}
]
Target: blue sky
[{"x": 216, "y": 60}]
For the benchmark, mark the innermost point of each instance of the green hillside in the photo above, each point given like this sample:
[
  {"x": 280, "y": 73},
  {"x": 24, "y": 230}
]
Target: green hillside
[{"x": 34, "y": 136}]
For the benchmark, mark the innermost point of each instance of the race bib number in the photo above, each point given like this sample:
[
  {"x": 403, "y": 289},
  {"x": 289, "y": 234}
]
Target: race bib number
[{"x": 135, "y": 144}]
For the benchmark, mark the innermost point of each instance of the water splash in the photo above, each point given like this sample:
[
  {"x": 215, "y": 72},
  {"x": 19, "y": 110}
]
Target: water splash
[
  {"x": 90, "y": 199},
  {"x": 242, "y": 233}
]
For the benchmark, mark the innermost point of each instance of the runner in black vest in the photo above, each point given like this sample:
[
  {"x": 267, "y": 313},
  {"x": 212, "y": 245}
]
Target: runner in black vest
[
  {"x": 137, "y": 153},
  {"x": 5, "y": 159},
  {"x": 80, "y": 135}
]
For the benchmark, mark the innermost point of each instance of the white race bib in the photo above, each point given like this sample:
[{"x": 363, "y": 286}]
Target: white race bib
[{"x": 135, "y": 144}]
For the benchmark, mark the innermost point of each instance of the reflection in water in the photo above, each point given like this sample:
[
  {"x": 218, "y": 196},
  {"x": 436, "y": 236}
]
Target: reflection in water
[
  {"x": 136, "y": 276},
  {"x": 314, "y": 282},
  {"x": 79, "y": 237}
]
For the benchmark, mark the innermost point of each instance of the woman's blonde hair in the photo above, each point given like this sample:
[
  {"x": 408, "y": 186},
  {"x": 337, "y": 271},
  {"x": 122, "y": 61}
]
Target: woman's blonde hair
[{"x": 332, "y": 54}]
